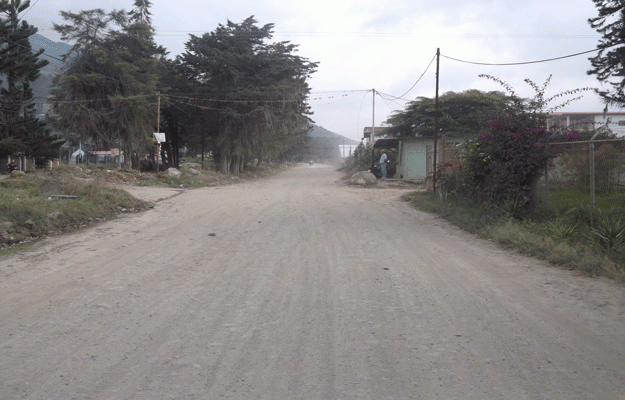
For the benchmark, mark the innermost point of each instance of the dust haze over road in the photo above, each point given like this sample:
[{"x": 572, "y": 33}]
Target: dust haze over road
[{"x": 308, "y": 289}]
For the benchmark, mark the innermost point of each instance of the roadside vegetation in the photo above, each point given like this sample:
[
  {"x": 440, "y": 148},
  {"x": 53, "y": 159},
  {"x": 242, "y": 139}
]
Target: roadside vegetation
[
  {"x": 38, "y": 205},
  {"x": 68, "y": 198},
  {"x": 567, "y": 239},
  {"x": 493, "y": 189},
  {"x": 235, "y": 93}
]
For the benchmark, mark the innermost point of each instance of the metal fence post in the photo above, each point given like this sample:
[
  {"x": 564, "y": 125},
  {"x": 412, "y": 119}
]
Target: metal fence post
[
  {"x": 591, "y": 158},
  {"x": 547, "y": 186}
]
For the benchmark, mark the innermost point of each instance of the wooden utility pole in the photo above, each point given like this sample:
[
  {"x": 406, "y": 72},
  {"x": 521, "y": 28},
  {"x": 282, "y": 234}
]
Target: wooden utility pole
[
  {"x": 373, "y": 131},
  {"x": 158, "y": 130},
  {"x": 438, "y": 58}
]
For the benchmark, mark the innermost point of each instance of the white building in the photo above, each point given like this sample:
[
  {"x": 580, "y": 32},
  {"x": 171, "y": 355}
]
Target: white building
[{"x": 589, "y": 121}]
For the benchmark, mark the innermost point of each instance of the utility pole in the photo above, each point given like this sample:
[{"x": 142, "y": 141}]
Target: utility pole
[
  {"x": 158, "y": 130},
  {"x": 373, "y": 131},
  {"x": 438, "y": 58}
]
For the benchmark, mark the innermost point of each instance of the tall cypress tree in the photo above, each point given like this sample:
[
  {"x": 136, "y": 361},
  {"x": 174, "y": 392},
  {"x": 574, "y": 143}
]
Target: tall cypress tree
[
  {"x": 609, "y": 64},
  {"x": 252, "y": 94},
  {"x": 112, "y": 75},
  {"x": 19, "y": 68}
]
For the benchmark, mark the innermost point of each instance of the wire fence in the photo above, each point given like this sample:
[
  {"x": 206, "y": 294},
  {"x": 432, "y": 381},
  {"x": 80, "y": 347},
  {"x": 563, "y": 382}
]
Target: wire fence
[{"x": 588, "y": 174}]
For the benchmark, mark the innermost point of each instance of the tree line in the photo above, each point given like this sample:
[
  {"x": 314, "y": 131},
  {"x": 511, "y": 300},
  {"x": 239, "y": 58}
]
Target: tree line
[{"x": 232, "y": 92}]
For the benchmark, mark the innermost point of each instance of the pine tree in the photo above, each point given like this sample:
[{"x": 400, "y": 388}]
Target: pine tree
[
  {"x": 609, "y": 64},
  {"x": 107, "y": 93},
  {"x": 19, "y": 68},
  {"x": 141, "y": 12}
]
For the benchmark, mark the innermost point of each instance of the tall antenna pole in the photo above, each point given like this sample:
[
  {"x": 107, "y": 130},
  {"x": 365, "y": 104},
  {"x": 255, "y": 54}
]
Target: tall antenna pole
[{"x": 438, "y": 58}]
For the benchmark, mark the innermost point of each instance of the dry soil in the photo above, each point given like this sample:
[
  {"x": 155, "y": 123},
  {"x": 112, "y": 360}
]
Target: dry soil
[{"x": 299, "y": 287}]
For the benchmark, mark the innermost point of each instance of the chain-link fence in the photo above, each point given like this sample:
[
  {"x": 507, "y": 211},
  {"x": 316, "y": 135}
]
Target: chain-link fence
[{"x": 585, "y": 174}]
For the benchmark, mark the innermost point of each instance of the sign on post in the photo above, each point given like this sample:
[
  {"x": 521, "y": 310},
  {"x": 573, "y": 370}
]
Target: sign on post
[{"x": 160, "y": 138}]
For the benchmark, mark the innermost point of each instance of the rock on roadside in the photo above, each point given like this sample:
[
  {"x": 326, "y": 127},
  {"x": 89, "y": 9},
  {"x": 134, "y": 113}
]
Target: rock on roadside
[
  {"x": 363, "y": 178},
  {"x": 173, "y": 172}
]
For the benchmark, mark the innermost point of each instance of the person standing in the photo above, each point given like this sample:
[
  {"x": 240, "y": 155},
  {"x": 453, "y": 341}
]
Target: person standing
[{"x": 383, "y": 159}]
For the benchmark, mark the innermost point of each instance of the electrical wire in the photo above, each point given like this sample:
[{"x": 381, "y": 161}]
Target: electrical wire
[
  {"x": 386, "y": 101},
  {"x": 387, "y": 98},
  {"x": 29, "y": 8},
  {"x": 214, "y": 100},
  {"x": 521, "y": 63},
  {"x": 30, "y": 48},
  {"x": 343, "y": 98},
  {"x": 360, "y": 109},
  {"x": 415, "y": 84}
]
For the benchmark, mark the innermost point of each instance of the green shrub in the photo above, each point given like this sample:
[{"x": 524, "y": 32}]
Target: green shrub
[
  {"x": 565, "y": 241},
  {"x": 564, "y": 228},
  {"x": 505, "y": 161},
  {"x": 609, "y": 233}
]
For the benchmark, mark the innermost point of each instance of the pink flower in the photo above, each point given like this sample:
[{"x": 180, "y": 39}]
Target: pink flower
[
  {"x": 538, "y": 132},
  {"x": 573, "y": 135}
]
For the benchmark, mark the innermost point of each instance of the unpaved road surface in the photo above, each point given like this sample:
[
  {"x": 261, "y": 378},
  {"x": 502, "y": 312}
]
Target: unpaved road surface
[{"x": 307, "y": 289}]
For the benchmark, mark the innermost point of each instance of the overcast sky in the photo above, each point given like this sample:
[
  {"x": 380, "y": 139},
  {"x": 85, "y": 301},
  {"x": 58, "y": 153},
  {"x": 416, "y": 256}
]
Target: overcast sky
[{"x": 387, "y": 45}]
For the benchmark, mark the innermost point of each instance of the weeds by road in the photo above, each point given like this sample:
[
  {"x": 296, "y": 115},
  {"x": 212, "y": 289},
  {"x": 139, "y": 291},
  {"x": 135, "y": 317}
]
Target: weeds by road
[
  {"x": 565, "y": 242},
  {"x": 68, "y": 198}
]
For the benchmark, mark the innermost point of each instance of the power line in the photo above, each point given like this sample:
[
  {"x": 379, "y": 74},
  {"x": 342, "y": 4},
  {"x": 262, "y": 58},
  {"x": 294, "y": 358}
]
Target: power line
[
  {"x": 342, "y": 98},
  {"x": 386, "y": 102},
  {"x": 521, "y": 63},
  {"x": 181, "y": 33},
  {"x": 214, "y": 100},
  {"x": 176, "y": 33},
  {"x": 31, "y": 49},
  {"x": 387, "y": 97},
  {"x": 415, "y": 84},
  {"x": 30, "y": 8}
]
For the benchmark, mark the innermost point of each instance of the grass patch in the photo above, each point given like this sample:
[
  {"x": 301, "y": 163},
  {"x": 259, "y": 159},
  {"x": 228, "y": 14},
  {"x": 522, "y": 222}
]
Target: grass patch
[
  {"x": 70, "y": 197},
  {"x": 39, "y": 205},
  {"x": 561, "y": 240},
  {"x": 565, "y": 199},
  {"x": 471, "y": 219}
]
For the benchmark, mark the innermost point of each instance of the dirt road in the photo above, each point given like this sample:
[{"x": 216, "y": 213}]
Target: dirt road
[{"x": 298, "y": 287}]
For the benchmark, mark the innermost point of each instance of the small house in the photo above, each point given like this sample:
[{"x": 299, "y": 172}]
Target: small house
[{"x": 415, "y": 155}]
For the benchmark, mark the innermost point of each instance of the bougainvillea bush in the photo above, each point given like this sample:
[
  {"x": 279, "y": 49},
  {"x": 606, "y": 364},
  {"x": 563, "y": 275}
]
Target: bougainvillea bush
[{"x": 504, "y": 162}]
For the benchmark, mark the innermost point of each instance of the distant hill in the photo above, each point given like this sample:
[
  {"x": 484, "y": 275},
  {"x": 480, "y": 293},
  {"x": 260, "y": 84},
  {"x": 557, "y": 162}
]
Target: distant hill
[
  {"x": 52, "y": 49},
  {"x": 53, "y": 52},
  {"x": 324, "y": 145},
  {"x": 320, "y": 132}
]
